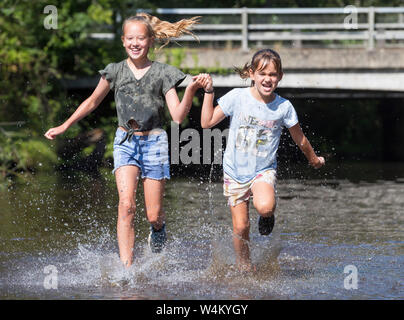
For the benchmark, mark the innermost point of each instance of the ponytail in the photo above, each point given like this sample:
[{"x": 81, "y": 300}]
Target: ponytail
[
  {"x": 244, "y": 72},
  {"x": 164, "y": 30}
]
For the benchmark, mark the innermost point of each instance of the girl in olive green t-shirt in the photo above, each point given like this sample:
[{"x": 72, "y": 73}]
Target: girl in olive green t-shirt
[{"x": 141, "y": 89}]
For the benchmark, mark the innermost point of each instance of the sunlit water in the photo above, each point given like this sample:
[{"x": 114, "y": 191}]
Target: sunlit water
[{"x": 322, "y": 225}]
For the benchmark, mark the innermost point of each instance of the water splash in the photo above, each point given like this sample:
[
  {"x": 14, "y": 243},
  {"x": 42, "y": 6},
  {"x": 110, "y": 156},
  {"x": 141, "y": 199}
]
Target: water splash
[{"x": 303, "y": 258}]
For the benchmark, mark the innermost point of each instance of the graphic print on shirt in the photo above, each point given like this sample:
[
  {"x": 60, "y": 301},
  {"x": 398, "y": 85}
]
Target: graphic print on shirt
[
  {"x": 254, "y": 135},
  {"x": 261, "y": 143},
  {"x": 245, "y": 138}
]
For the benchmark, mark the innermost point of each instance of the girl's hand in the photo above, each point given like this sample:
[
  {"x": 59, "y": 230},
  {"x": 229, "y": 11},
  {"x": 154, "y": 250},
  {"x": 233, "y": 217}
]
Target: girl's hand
[
  {"x": 204, "y": 80},
  {"x": 196, "y": 82},
  {"x": 53, "y": 132},
  {"x": 208, "y": 83},
  {"x": 319, "y": 163}
]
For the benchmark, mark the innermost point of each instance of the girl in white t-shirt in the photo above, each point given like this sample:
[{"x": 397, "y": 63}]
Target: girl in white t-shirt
[{"x": 257, "y": 117}]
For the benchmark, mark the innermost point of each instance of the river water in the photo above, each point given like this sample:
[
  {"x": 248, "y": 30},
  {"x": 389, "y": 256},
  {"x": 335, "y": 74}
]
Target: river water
[{"x": 338, "y": 235}]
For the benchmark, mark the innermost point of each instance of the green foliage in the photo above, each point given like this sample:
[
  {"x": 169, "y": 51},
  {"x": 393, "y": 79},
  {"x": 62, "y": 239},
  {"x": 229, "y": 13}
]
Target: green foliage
[
  {"x": 209, "y": 3},
  {"x": 109, "y": 126},
  {"x": 34, "y": 60},
  {"x": 35, "y": 153},
  {"x": 211, "y": 70},
  {"x": 20, "y": 152},
  {"x": 175, "y": 56}
]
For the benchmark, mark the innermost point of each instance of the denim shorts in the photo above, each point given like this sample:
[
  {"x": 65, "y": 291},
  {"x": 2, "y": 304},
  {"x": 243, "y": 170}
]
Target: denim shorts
[{"x": 148, "y": 153}]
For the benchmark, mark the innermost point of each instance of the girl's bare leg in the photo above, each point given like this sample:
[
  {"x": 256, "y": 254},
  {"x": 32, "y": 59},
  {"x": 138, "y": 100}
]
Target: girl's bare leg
[
  {"x": 241, "y": 234},
  {"x": 264, "y": 198},
  {"x": 127, "y": 178},
  {"x": 153, "y": 196}
]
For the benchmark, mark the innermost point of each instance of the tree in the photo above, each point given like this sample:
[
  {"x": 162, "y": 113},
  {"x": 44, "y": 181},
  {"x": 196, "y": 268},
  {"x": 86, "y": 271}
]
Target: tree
[{"x": 34, "y": 60}]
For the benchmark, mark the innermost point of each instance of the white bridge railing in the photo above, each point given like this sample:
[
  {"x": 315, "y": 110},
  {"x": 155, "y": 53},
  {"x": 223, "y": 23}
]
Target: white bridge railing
[{"x": 350, "y": 26}]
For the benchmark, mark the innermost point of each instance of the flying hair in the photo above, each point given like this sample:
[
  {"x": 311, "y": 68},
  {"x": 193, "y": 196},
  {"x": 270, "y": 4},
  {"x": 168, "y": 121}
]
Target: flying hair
[{"x": 163, "y": 30}]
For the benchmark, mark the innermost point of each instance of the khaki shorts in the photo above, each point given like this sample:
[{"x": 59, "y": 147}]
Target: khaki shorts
[{"x": 240, "y": 192}]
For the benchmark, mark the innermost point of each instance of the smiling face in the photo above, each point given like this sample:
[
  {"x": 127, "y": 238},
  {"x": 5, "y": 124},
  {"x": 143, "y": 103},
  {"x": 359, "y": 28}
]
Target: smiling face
[
  {"x": 136, "y": 40},
  {"x": 265, "y": 79}
]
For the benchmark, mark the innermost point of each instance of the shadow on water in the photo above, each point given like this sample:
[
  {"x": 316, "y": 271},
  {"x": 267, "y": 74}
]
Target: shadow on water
[{"x": 324, "y": 223}]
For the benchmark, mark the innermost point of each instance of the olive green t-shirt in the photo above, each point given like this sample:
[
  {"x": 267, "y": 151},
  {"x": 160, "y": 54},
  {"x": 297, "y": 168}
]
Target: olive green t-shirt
[{"x": 141, "y": 99}]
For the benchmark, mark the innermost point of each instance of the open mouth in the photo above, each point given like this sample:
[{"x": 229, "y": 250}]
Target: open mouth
[
  {"x": 267, "y": 87},
  {"x": 135, "y": 51}
]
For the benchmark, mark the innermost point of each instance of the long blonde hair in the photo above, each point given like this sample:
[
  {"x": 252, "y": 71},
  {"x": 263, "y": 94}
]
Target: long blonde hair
[{"x": 164, "y": 30}]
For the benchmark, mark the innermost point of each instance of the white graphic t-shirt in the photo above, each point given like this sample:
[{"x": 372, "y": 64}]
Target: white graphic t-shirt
[{"x": 254, "y": 134}]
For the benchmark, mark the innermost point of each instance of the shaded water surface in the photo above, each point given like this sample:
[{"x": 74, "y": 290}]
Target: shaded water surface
[{"x": 323, "y": 224}]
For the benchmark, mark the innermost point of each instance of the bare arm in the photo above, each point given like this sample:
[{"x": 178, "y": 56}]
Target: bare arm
[
  {"x": 86, "y": 107},
  {"x": 179, "y": 110},
  {"x": 210, "y": 116},
  {"x": 300, "y": 139}
]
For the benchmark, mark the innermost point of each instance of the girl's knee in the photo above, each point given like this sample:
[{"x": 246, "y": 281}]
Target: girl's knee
[
  {"x": 265, "y": 208},
  {"x": 127, "y": 208},
  {"x": 242, "y": 228}
]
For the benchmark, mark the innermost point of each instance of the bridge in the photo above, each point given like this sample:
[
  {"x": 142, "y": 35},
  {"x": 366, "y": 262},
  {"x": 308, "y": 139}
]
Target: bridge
[
  {"x": 352, "y": 51},
  {"x": 381, "y": 69}
]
